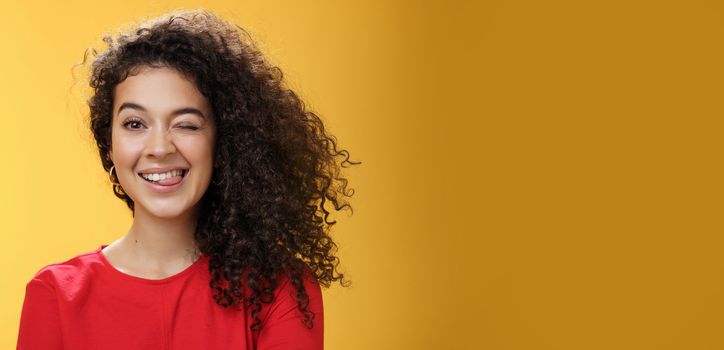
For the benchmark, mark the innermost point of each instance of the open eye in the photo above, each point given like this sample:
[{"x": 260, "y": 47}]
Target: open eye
[{"x": 133, "y": 123}]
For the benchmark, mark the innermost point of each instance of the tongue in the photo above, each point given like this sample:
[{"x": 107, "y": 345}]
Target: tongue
[{"x": 169, "y": 181}]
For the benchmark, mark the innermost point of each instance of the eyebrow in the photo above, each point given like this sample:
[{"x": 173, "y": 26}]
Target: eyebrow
[{"x": 180, "y": 111}]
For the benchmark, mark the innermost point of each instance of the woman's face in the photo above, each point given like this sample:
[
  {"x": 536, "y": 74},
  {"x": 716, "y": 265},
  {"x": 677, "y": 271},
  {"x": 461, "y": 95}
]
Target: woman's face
[{"x": 162, "y": 144}]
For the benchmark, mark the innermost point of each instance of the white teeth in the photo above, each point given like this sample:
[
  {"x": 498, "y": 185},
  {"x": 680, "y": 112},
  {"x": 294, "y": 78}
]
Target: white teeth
[{"x": 162, "y": 176}]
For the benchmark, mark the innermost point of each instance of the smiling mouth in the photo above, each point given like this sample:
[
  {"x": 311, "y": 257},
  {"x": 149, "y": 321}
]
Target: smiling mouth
[{"x": 165, "y": 179}]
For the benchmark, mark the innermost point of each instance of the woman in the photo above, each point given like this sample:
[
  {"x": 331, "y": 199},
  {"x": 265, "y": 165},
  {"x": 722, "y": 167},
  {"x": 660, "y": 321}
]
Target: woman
[{"x": 226, "y": 174}]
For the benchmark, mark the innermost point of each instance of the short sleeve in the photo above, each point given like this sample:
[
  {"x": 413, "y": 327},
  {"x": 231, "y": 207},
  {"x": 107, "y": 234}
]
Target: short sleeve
[
  {"x": 283, "y": 326},
  {"x": 39, "y": 320}
]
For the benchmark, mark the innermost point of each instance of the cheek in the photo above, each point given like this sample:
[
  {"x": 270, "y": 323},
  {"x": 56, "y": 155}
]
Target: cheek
[
  {"x": 126, "y": 150},
  {"x": 198, "y": 151}
]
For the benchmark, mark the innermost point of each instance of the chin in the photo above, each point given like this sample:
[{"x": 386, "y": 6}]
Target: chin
[
  {"x": 165, "y": 210},
  {"x": 166, "y": 214}
]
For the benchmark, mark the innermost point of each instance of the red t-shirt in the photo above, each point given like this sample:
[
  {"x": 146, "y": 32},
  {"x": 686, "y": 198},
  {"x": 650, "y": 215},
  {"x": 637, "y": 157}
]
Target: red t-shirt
[{"x": 86, "y": 303}]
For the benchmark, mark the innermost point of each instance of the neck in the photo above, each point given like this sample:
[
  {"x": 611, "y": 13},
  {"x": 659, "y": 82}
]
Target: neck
[{"x": 160, "y": 241}]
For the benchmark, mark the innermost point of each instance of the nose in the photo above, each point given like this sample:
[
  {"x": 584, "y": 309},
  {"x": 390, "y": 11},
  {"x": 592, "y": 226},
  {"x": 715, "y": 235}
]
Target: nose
[{"x": 159, "y": 143}]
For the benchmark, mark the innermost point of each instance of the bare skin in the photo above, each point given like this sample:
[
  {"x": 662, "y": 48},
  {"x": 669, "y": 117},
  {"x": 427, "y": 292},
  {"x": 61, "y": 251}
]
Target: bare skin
[
  {"x": 153, "y": 133},
  {"x": 149, "y": 253}
]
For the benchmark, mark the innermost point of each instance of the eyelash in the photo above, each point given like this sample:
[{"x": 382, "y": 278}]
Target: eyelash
[
  {"x": 136, "y": 120},
  {"x": 129, "y": 121}
]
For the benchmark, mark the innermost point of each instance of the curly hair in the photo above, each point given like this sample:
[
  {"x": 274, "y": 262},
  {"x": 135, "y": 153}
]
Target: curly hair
[{"x": 274, "y": 168}]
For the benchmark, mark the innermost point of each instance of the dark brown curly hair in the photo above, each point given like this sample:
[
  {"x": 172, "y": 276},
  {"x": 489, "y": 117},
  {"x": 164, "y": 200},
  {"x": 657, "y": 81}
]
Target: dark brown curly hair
[{"x": 275, "y": 165}]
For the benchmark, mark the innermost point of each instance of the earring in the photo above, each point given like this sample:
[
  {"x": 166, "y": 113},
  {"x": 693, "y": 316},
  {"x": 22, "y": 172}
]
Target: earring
[{"x": 110, "y": 174}]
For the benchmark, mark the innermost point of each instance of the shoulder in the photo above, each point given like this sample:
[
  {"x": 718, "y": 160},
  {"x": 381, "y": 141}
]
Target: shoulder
[
  {"x": 284, "y": 326},
  {"x": 68, "y": 273},
  {"x": 286, "y": 298},
  {"x": 287, "y": 288}
]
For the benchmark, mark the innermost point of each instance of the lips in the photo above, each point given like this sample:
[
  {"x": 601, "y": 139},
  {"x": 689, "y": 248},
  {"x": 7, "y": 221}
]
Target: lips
[
  {"x": 157, "y": 170},
  {"x": 166, "y": 185},
  {"x": 168, "y": 181}
]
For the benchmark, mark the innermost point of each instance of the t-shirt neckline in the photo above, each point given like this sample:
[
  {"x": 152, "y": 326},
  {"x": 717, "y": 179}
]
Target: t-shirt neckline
[{"x": 188, "y": 270}]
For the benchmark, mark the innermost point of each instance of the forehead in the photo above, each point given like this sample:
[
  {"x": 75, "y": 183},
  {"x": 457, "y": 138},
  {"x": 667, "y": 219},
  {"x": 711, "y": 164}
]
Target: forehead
[{"x": 158, "y": 89}]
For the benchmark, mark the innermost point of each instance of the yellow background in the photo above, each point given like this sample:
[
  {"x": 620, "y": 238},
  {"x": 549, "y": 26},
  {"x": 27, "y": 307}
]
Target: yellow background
[{"x": 536, "y": 174}]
